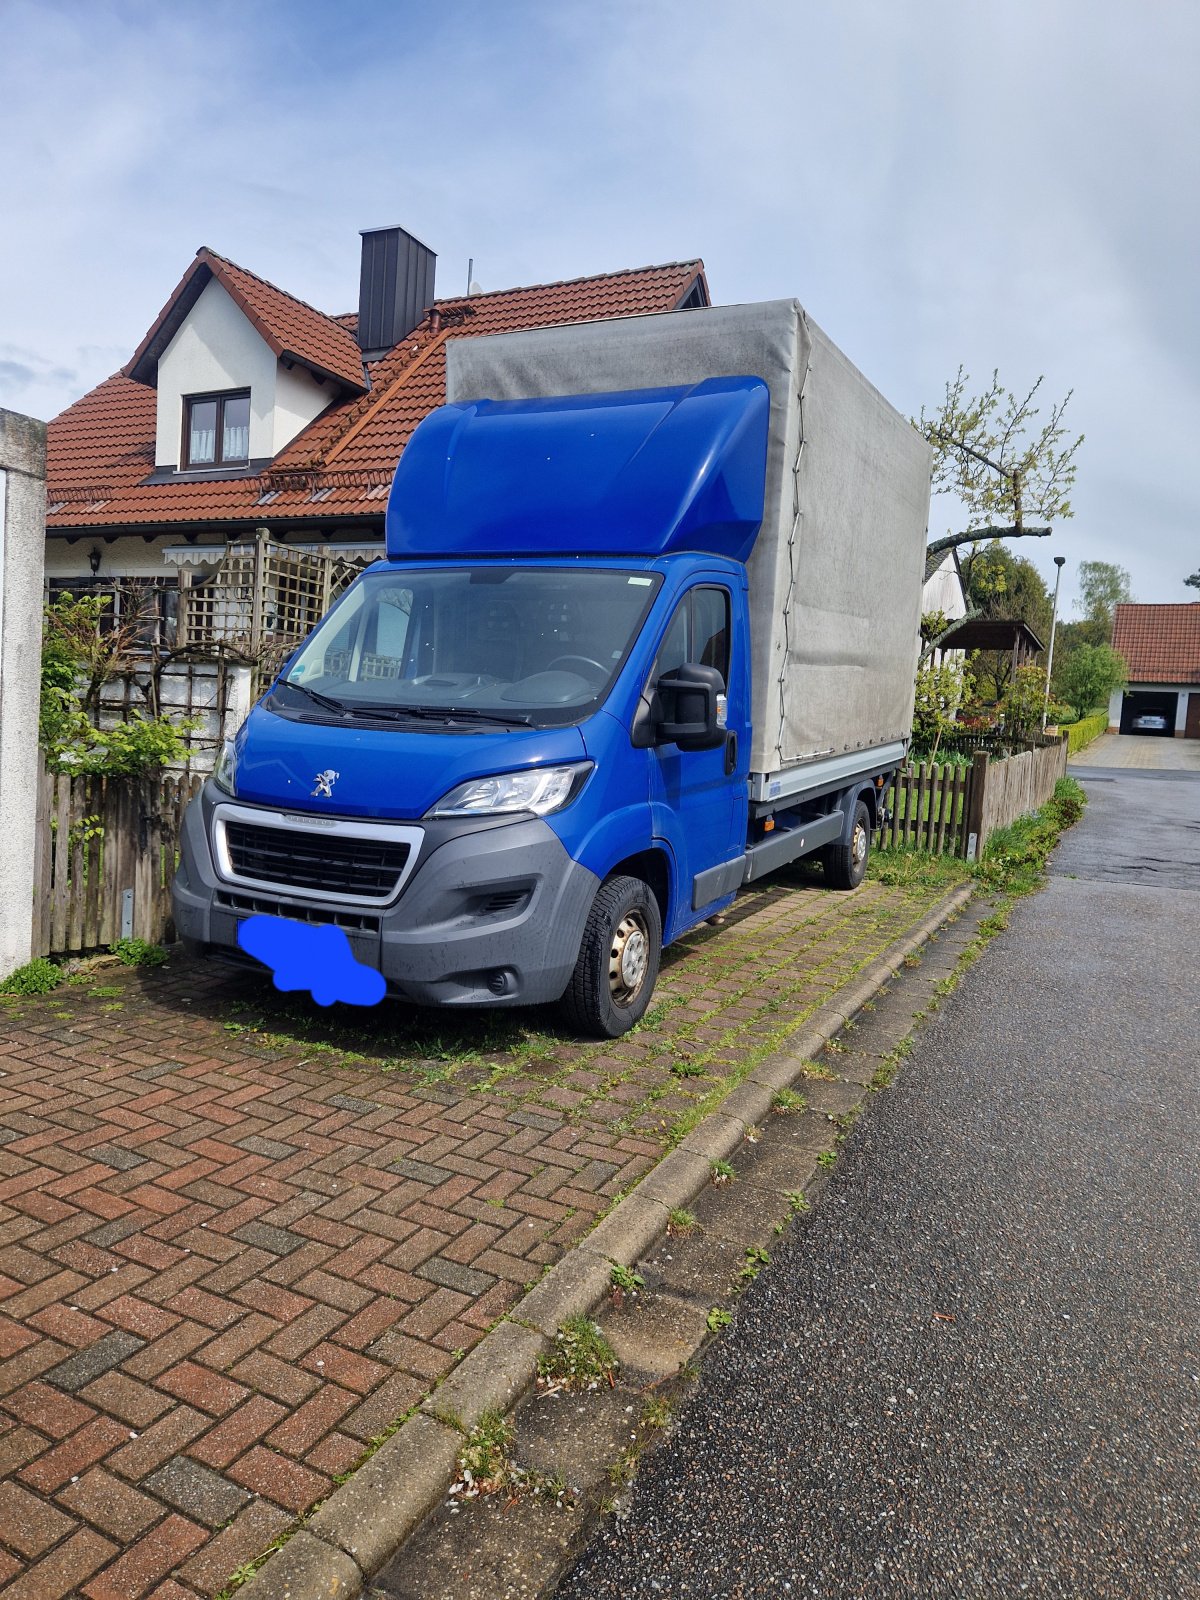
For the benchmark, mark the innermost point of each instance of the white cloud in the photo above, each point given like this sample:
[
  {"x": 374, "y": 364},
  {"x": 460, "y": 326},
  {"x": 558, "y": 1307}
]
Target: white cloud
[{"x": 938, "y": 183}]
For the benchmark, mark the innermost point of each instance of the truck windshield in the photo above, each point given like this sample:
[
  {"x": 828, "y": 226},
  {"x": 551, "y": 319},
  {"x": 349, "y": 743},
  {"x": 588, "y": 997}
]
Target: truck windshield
[{"x": 525, "y": 644}]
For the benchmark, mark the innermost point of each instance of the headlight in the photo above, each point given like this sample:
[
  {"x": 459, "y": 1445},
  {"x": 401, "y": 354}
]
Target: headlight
[
  {"x": 225, "y": 771},
  {"x": 540, "y": 790}
]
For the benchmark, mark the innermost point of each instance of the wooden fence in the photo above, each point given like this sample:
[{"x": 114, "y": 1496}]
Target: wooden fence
[
  {"x": 955, "y": 810},
  {"x": 104, "y": 859},
  {"x": 106, "y": 847}
]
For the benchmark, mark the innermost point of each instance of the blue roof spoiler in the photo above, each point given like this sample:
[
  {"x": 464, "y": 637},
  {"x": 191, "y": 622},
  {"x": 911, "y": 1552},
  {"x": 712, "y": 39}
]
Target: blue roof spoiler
[{"x": 643, "y": 473}]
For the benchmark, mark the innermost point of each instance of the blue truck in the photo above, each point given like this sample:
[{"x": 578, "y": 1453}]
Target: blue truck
[{"x": 645, "y": 630}]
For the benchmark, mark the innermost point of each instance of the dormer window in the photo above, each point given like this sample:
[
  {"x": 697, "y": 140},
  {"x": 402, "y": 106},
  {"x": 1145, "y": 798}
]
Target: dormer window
[{"x": 216, "y": 430}]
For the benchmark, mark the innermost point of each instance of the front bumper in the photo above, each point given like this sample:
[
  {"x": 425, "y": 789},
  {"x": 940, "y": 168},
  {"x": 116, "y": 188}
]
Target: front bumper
[{"x": 492, "y": 913}]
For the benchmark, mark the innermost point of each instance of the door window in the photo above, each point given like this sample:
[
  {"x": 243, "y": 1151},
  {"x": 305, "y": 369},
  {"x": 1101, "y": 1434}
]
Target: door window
[{"x": 699, "y": 633}]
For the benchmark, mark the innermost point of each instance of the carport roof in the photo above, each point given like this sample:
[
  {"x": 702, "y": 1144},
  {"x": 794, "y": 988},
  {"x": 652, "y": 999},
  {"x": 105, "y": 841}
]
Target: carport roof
[
  {"x": 991, "y": 633},
  {"x": 1160, "y": 643}
]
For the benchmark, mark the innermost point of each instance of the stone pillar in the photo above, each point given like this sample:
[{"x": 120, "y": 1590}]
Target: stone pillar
[
  {"x": 1116, "y": 702},
  {"x": 22, "y": 558}
]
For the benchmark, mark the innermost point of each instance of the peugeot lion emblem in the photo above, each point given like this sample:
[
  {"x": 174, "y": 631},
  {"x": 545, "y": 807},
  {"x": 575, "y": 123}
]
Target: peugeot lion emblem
[{"x": 324, "y": 782}]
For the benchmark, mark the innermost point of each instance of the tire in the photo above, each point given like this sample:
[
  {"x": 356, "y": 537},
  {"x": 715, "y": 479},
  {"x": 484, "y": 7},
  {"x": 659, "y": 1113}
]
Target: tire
[
  {"x": 846, "y": 864},
  {"x": 617, "y": 968}
]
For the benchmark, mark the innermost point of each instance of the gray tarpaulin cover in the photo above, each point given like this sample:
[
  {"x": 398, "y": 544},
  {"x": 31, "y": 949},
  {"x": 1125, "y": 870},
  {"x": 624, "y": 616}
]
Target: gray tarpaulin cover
[{"x": 836, "y": 572}]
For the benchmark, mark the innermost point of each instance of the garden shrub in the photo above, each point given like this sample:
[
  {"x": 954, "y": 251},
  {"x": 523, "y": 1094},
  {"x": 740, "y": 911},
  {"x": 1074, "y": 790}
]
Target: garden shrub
[
  {"x": 138, "y": 953},
  {"x": 1083, "y": 732},
  {"x": 35, "y": 977}
]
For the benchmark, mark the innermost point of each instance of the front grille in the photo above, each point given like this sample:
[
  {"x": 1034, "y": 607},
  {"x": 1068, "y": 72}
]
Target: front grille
[
  {"x": 325, "y": 863},
  {"x": 251, "y": 905}
]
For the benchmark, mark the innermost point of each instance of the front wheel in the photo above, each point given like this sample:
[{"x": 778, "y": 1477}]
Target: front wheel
[
  {"x": 617, "y": 968},
  {"x": 846, "y": 863}
]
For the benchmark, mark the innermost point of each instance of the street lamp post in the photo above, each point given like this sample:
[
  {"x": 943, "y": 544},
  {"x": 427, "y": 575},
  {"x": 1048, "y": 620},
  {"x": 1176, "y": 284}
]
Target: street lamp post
[{"x": 1058, "y": 562}]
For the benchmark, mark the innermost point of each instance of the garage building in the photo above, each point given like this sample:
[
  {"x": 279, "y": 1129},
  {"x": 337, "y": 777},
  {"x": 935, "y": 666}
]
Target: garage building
[{"x": 1161, "y": 647}]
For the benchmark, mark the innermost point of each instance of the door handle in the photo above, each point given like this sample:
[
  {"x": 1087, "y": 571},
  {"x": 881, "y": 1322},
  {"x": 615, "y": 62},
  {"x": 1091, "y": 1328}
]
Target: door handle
[{"x": 731, "y": 754}]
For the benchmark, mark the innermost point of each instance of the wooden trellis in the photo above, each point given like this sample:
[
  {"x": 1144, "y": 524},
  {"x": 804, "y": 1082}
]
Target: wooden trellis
[{"x": 261, "y": 600}]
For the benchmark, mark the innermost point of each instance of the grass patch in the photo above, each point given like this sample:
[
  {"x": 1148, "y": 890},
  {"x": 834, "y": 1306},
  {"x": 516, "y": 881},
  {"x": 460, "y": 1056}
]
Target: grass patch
[
  {"x": 580, "y": 1358},
  {"x": 786, "y": 1102}
]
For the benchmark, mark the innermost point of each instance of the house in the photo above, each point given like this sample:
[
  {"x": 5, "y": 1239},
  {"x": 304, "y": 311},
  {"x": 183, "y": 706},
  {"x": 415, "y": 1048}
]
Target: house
[
  {"x": 944, "y": 591},
  {"x": 1161, "y": 647},
  {"x": 244, "y": 409}
]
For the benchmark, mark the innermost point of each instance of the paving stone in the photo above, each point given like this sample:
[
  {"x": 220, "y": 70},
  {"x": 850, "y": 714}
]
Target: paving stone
[
  {"x": 113, "y": 1155},
  {"x": 453, "y": 1276},
  {"x": 197, "y": 1491},
  {"x": 303, "y": 1265},
  {"x": 79, "y": 1370},
  {"x": 277, "y": 1240},
  {"x": 348, "y": 1102},
  {"x": 420, "y": 1171},
  {"x": 28, "y": 1524},
  {"x": 259, "y": 1146}
]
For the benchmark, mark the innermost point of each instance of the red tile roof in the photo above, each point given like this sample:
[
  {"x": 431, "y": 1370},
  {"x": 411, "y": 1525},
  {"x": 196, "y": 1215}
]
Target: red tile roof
[
  {"x": 1161, "y": 644},
  {"x": 101, "y": 449}
]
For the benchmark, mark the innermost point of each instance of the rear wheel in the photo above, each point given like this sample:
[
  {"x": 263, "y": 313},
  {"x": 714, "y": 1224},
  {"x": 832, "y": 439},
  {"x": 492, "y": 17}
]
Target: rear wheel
[
  {"x": 846, "y": 862},
  {"x": 617, "y": 968}
]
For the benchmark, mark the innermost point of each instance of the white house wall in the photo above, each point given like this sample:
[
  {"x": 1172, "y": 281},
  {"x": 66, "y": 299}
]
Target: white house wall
[
  {"x": 217, "y": 349},
  {"x": 299, "y": 398},
  {"x": 123, "y": 558},
  {"x": 943, "y": 591}
]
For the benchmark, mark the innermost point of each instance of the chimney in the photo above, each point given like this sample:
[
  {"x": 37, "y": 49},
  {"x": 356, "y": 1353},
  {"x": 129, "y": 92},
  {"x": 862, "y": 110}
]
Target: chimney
[{"x": 395, "y": 288}]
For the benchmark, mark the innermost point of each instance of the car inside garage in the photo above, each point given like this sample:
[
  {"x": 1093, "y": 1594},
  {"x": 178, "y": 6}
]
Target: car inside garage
[{"x": 1149, "y": 712}]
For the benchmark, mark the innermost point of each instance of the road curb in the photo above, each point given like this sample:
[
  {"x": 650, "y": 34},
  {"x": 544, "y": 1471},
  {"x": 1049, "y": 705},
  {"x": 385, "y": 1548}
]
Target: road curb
[{"x": 362, "y": 1524}]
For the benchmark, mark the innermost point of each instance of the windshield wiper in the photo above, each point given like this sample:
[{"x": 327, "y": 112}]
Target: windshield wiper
[
  {"x": 437, "y": 714},
  {"x": 326, "y": 700}
]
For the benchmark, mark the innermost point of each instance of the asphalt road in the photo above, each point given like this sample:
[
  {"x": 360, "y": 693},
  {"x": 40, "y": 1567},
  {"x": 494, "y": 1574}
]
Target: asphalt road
[{"x": 975, "y": 1369}]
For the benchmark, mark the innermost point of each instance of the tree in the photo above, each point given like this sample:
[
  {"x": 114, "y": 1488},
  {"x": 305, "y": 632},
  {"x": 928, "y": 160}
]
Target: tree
[
  {"x": 1194, "y": 581},
  {"x": 1023, "y": 701},
  {"x": 1102, "y": 587},
  {"x": 1005, "y": 586},
  {"x": 940, "y": 692},
  {"x": 1091, "y": 675},
  {"x": 990, "y": 452}
]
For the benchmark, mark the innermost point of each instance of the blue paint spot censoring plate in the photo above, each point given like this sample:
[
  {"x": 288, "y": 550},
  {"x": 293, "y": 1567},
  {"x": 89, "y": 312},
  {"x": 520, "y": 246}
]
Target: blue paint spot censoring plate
[{"x": 318, "y": 959}]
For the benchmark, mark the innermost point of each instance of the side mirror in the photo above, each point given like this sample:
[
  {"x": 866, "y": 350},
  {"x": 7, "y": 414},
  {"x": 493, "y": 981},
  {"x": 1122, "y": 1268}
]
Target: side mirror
[{"x": 690, "y": 694}]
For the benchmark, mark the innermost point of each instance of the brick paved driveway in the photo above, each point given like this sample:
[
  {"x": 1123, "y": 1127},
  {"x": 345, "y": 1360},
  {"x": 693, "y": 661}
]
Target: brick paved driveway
[{"x": 240, "y": 1238}]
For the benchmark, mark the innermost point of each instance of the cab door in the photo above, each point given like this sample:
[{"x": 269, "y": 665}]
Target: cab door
[{"x": 698, "y": 797}]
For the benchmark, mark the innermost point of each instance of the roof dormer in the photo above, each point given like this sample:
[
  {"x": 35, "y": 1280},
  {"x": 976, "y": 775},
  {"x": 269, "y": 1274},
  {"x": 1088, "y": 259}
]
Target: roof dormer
[{"x": 241, "y": 368}]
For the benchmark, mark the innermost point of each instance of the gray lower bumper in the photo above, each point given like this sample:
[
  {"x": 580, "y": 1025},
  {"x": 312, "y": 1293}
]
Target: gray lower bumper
[{"x": 491, "y": 915}]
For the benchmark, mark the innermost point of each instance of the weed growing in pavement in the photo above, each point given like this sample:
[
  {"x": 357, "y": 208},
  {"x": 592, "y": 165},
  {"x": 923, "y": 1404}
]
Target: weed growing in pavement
[
  {"x": 656, "y": 1412},
  {"x": 486, "y": 1466},
  {"x": 798, "y": 1202},
  {"x": 756, "y": 1259},
  {"x": 580, "y": 1357},
  {"x": 680, "y": 1222},
  {"x": 787, "y": 1102},
  {"x": 721, "y": 1171},
  {"x": 626, "y": 1279},
  {"x": 817, "y": 1069},
  {"x": 38, "y": 976},
  {"x": 752, "y": 1133},
  {"x": 717, "y": 1319},
  {"x": 827, "y": 1159},
  {"x": 685, "y": 1068},
  {"x": 138, "y": 953}
]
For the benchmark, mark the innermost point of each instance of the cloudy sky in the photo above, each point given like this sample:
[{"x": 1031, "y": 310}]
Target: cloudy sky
[{"x": 1004, "y": 185}]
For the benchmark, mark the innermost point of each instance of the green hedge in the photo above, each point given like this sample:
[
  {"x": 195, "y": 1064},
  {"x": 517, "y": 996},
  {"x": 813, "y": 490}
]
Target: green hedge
[{"x": 1082, "y": 733}]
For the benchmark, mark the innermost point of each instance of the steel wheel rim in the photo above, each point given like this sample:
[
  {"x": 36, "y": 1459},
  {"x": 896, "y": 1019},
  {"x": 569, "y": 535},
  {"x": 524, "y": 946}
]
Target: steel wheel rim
[
  {"x": 628, "y": 958},
  {"x": 858, "y": 845}
]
